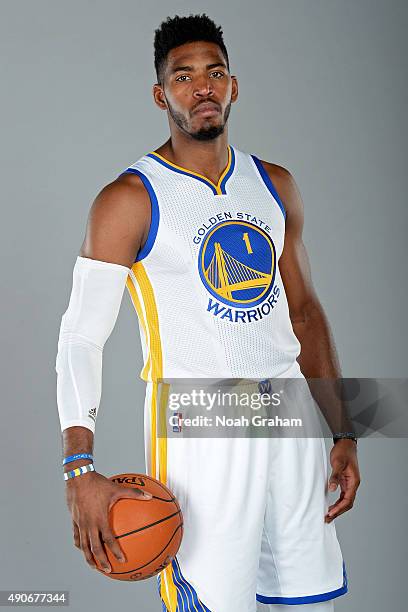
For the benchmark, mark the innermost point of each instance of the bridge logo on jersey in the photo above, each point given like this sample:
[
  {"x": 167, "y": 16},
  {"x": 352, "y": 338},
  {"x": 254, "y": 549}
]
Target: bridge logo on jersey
[{"x": 237, "y": 264}]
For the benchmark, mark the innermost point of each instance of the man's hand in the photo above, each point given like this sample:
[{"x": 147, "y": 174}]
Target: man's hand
[
  {"x": 345, "y": 472},
  {"x": 90, "y": 498}
]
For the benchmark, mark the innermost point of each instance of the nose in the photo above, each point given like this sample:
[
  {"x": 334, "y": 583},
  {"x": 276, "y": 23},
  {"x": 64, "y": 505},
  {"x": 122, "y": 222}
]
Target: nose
[{"x": 202, "y": 87}]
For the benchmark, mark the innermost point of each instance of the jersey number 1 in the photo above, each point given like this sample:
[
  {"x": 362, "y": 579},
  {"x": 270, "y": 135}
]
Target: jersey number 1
[{"x": 245, "y": 238}]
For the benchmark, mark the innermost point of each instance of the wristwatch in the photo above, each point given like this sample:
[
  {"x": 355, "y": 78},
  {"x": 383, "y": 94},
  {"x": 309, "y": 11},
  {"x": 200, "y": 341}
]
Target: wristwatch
[{"x": 344, "y": 434}]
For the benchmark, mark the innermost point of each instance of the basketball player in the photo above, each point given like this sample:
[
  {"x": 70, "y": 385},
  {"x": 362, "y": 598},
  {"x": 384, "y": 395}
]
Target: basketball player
[{"x": 172, "y": 229}]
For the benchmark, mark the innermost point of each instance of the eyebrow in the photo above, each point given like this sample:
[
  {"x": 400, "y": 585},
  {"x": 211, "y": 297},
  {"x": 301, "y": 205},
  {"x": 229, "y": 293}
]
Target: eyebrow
[{"x": 191, "y": 68}]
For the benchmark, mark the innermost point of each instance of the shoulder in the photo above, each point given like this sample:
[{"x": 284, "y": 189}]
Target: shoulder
[
  {"x": 126, "y": 188},
  {"x": 118, "y": 221},
  {"x": 281, "y": 177},
  {"x": 286, "y": 187},
  {"x": 123, "y": 201}
]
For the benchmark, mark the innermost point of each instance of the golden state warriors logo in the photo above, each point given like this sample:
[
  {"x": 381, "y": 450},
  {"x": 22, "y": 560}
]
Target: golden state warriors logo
[{"x": 237, "y": 263}]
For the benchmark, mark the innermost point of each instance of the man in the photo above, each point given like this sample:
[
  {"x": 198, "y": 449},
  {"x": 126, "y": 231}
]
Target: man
[{"x": 208, "y": 241}]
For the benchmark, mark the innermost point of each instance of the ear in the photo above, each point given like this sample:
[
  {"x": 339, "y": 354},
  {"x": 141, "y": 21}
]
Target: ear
[
  {"x": 159, "y": 97},
  {"x": 234, "y": 88}
]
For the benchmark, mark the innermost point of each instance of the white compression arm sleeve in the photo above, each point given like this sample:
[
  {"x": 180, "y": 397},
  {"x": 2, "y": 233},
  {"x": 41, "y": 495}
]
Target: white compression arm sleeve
[{"x": 96, "y": 296}]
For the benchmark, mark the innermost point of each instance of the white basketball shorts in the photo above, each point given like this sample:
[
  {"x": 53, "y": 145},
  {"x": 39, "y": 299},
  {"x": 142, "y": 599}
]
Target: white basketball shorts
[{"x": 254, "y": 526}]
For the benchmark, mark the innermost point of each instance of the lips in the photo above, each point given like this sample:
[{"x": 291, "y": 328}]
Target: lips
[{"x": 206, "y": 109}]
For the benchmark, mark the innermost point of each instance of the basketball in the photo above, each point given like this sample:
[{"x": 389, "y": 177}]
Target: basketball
[{"x": 149, "y": 532}]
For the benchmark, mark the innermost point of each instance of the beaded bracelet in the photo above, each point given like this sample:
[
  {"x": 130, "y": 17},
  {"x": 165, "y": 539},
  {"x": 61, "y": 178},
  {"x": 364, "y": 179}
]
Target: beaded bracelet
[
  {"x": 78, "y": 471},
  {"x": 77, "y": 456}
]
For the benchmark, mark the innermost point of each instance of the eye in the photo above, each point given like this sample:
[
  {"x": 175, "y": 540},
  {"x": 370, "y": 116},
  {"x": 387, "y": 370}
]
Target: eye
[
  {"x": 217, "y": 74},
  {"x": 182, "y": 77}
]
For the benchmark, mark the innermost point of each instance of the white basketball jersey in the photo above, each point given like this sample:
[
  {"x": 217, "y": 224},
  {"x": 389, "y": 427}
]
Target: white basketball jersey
[
  {"x": 211, "y": 304},
  {"x": 206, "y": 285}
]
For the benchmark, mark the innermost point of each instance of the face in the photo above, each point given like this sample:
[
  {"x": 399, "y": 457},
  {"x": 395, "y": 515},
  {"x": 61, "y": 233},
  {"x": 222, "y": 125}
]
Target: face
[{"x": 197, "y": 90}]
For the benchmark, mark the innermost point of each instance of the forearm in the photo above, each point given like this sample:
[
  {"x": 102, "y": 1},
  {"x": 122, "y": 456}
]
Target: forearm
[
  {"x": 319, "y": 364},
  {"x": 92, "y": 311},
  {"x": 318, "y": 357}
]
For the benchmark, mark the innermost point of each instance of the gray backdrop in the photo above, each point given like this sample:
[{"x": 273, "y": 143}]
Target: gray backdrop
[{"x": 323, "y": 91}]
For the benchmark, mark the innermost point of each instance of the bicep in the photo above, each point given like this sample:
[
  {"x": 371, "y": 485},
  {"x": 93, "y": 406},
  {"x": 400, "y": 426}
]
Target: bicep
[
  {"x": 118, "y": 222},
  {"x": 294, "y": 262}
]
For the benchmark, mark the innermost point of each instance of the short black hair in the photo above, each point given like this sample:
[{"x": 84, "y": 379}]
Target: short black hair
[{"x": 176, "y": 31}]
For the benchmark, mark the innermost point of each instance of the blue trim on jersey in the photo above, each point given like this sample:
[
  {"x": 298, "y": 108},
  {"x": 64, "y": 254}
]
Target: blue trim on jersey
[
  {"x": 155, "y": 214},
  {"x": 292, "y": 601},
  {"x": 179, "y": 171},
  {"x": 230, "y": 171},
  {"x": 164, "y": 608},
  {"x": 184, "y": 598},
  {"x": 187, "y": 598},
  {"x": 196, "y": 176},
  {"x": 267, "y": 180},
  {"x": 194, "y": 604}
]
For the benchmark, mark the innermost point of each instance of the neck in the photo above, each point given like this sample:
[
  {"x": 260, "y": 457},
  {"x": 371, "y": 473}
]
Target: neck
[{"x": 208, "y": 158}]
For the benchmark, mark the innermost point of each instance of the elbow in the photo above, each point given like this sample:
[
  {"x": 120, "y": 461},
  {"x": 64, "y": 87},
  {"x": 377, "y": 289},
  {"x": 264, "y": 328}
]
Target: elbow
[{"x": 309, "y": 311}]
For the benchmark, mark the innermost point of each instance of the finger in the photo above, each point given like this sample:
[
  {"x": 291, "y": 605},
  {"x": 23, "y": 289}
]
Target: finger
[
  {"x": 347, "y": 497},
  {"x": 334, "y": 481},
  {"x": 330, "y": 508},
  {"x": 130, "y": 492},
  {"x": 335, "y": 476},
  {"x": 342, "y": 505},
  {"x": 85, "y": 547},
  {"x": 75, "y": 530},
  {"x": 109, "y": 540},
  {"x": 98, "y": 550}
]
